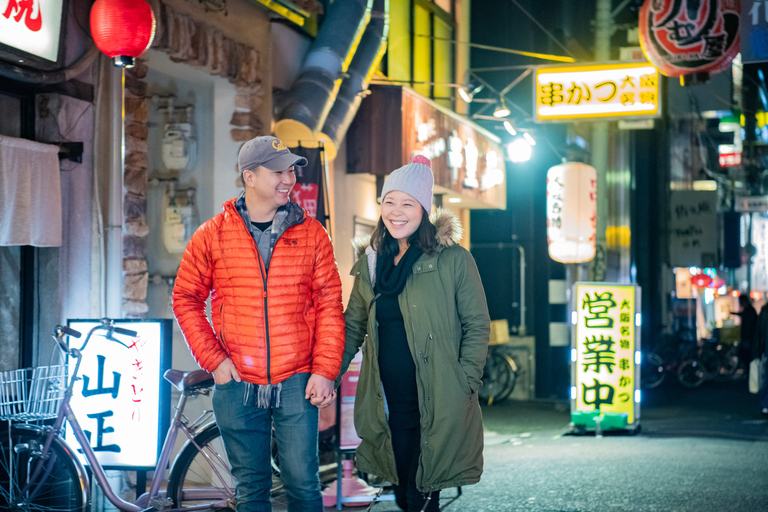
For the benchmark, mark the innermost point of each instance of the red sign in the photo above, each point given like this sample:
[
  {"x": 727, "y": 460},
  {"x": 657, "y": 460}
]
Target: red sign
[
  {"x": 730, "y": 159},
  {"x": 682, "y": 38},
  {"x": 25, "y": 9}
]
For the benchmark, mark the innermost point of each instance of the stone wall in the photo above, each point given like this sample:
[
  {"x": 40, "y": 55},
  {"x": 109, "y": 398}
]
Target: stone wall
[{"x": 135, "y": 183}]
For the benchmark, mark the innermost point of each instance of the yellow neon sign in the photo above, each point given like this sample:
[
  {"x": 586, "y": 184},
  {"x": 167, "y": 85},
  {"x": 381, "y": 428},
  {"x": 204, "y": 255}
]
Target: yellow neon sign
[
  {"x": 597, "y": 91},
  {"x": 605, "y": 376}
]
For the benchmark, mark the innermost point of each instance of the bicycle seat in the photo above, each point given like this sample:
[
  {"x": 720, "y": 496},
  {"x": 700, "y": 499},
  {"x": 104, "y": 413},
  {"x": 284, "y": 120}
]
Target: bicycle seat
[{"x": 196, "y": 379}]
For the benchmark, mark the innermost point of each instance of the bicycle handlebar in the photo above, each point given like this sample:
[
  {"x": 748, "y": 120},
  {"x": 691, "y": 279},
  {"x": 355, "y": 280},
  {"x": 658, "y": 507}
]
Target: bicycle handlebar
[
  {"x": 105, "y": 324},
  {"x": 68, "y": 331},
  {"x": 127, "y": 332}
]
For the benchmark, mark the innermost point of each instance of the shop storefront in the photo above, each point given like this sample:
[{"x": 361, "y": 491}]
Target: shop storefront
[{"x": 393, "y": 124}]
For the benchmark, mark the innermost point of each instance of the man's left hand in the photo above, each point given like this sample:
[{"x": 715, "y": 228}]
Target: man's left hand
[{"x": 320, "y": 391}]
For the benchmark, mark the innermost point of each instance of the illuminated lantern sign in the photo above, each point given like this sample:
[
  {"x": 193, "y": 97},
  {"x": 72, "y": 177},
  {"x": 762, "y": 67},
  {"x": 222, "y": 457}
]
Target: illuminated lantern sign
[
  {"x": 571, "y": 212},
  {"x": 682, "y": 38},
  {"x": 597, "y": 91},
  {"x": 701, "y": 280},
  {"x": 605, "y": 352},
  {"x": 32, "y": 26},
  {"x": 122, "y": 29},
  {"x": 121, "y": 400}
]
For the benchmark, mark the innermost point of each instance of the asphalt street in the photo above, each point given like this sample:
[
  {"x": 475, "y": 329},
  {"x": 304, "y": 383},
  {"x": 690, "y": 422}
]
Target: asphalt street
[{"x": 701, "y": 450}]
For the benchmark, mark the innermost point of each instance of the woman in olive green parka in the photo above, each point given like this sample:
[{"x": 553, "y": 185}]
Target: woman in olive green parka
[{"x": 447, "y": 328}]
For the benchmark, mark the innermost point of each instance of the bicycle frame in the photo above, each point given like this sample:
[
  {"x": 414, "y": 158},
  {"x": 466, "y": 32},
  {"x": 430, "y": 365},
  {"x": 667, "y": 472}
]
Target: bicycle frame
[{"x": 155, "y": 497}]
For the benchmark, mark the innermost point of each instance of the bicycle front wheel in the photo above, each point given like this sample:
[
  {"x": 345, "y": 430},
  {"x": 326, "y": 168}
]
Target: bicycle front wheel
[
  {"x": 58, "y": 484},
  {"x": 201, "y": 474},
  {"x": 691, "y": 373},
  {"x": 651, "y": 370},
  {"x": 499, "y": 377}
]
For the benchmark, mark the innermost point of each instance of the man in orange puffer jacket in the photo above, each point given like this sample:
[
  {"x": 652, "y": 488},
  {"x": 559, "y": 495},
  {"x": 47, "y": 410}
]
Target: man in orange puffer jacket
[{"x": 276, "y": 338}]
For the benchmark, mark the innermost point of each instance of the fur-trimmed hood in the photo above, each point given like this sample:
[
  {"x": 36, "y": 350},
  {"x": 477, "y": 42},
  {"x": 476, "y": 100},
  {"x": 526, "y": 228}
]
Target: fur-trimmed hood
[{"x": 449, "y": 232}]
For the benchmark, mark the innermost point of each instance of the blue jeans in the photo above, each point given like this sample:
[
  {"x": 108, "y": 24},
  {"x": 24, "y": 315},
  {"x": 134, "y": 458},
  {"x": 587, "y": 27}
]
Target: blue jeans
[{"x": 246, "y": 432}]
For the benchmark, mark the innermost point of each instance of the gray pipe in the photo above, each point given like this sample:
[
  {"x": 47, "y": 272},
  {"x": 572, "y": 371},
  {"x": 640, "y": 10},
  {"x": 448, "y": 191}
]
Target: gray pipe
[
  {"x": 312, "y": 94},
  {"x": 32, "y": 76},
  {"x": 354, "y": 86}
]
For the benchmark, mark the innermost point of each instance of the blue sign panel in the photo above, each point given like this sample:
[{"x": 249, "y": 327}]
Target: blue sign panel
[{"x": 754, "y": 31}]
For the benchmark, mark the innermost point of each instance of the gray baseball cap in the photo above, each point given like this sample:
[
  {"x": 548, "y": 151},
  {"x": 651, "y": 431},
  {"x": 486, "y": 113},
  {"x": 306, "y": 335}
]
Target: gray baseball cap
[{"x": 269, "y": 152}]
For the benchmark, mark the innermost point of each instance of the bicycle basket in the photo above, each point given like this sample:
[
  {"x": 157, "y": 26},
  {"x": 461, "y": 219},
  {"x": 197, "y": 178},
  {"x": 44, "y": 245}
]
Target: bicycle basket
[{"x": 32, "y": 394}]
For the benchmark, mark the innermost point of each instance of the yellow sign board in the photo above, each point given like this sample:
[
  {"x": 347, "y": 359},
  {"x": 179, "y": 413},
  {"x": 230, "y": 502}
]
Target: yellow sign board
[
  {"x": 597, "y": 91},
  {"x": 605, "y": 349}
]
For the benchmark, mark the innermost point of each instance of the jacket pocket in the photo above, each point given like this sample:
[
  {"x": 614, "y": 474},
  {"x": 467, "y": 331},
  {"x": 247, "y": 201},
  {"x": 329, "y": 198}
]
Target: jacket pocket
[
  {"x": 443, "y": 355},
  {"x": 462, "y": 377}
]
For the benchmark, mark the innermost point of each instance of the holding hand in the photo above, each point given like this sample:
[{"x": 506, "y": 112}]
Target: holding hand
[
  {"x": 320, "y": 391},
  {"x": 225, "y": 372}
]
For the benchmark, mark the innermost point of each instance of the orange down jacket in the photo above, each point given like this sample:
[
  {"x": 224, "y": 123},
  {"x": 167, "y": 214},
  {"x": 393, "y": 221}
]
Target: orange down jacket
[{"x": 272, "y": 325}]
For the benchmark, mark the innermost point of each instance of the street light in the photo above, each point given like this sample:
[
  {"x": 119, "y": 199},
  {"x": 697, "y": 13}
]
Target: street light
[
  {"x": 510, "y": 129},
  {"x": 529, "y": 138},
  {"x": 519, "y": 150},
  {"x": 469, "y": 90},
  {"x": 501, "y": 109}
]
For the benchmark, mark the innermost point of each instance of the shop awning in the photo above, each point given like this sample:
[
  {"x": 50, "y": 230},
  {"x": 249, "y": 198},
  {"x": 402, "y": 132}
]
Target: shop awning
[{"x": 395, "y": 123}]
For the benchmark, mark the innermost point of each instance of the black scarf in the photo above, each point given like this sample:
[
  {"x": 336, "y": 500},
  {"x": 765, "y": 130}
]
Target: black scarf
[{"x": 391, "y": 278}]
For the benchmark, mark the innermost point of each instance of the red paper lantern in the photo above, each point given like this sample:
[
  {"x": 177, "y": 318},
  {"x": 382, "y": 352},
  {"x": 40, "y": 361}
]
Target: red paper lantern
[
  {"x": 717, "y": 283},
  {"x": 690, "y": 38},
  {"x": 122, "y": 29},
  {"x": 701, "y": 280}
]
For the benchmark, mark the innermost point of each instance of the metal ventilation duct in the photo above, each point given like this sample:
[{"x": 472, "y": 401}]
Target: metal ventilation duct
[
  {"x": 353, "y": 88},
  {"x": 314, "y": 91}
]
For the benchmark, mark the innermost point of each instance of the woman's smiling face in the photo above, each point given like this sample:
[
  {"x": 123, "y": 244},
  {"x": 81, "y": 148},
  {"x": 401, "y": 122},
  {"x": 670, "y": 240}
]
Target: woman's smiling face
[{"x": 401, "y": 214}]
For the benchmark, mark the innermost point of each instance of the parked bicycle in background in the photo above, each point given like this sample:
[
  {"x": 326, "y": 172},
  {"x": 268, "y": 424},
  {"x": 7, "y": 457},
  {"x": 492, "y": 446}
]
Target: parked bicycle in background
[
  {"x": 670, "y": 350},
  {"x": 39, "y": 471},
  {"x": 717, "y": 358}
]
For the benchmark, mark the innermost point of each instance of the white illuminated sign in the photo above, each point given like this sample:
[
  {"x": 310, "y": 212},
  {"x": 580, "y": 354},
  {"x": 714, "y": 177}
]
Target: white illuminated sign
[
  {"x": 117, "y": 399},
  {"x": 470, "y": 152},
  {"x": 601, "y": 90},
  {"x": 32, "y": 26}
]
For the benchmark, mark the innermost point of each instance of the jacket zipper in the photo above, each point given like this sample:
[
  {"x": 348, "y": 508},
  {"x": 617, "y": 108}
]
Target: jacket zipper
[
  {"x": 264, "y": 281},
  {"x": 266, "y": 317}
]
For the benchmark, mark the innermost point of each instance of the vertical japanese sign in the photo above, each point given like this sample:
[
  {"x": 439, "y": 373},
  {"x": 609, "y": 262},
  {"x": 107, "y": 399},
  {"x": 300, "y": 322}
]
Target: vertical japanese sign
[
  {"x": 308, "y": 191},
  {"x": 693, "y": 225},
  {"x": 571, "y": 212},
  {"x": 32, "y": 26},
  {"x": 605, "y": 372},
  {"x": 596, "y": 91},
  {"x": 760, "y": 259},
  {"x": 121, "y": 400}
]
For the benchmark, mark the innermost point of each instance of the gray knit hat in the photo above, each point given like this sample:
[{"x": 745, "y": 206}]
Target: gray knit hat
[{"x": 415, "y": 178}]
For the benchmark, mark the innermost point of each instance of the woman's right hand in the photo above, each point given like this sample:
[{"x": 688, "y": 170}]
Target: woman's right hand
[{"x": 225, "y": 372}]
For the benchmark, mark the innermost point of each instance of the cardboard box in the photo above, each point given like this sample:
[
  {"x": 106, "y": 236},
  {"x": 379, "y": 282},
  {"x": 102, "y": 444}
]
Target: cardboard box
[{"x": 499, "y": 331}]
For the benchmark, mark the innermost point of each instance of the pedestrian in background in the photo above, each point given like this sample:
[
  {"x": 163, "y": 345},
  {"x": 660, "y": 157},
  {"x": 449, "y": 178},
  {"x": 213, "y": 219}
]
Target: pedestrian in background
[
  {"x": 748, "y": 329},
  {"x": 760, "y": 352},
  {"x": 276, "y": 338},
  {"x": 418, "y": 309}
]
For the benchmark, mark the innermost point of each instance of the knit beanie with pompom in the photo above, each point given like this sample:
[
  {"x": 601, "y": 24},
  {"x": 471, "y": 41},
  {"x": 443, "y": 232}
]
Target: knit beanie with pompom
[{"x": 414, "y": 178}]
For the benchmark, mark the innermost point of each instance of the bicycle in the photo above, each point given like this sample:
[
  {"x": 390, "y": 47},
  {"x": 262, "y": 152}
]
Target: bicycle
[
  {"x": 39, "y": 471},
  {"x": 666, "y": 357},
  {"x": 713, "y": 360},
  {"x": 499, "y": 376}
]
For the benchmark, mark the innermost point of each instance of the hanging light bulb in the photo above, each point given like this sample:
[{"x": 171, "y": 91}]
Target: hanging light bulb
[
  {"x": 468, "y": 91},
  {"x": 527, "y": 136},
  {"x": 501, "y": 110},
  {"x": 511, "y": 129}
]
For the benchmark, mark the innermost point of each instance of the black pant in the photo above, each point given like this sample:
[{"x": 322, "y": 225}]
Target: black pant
[{"x": 406, "y": 445}]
